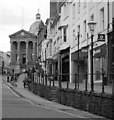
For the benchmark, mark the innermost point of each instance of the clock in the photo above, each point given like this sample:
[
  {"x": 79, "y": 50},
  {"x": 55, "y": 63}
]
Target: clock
[{"x": 22, "y": 33}]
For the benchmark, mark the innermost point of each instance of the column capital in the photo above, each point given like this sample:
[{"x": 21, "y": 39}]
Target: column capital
[
  {"x": 26, "y": 41},
  {"x": 34, "y": 41},
  {"x": 18, "y": 41}
]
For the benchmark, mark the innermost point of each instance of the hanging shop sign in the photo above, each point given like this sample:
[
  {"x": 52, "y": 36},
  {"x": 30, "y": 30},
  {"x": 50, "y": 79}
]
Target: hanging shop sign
[{"x": 101, "y": 37}]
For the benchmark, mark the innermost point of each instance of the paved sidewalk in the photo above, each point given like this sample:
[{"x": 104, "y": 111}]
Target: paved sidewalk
[
  {"x": 97, "y": 86},
  {"x": 37, "y": 100}
]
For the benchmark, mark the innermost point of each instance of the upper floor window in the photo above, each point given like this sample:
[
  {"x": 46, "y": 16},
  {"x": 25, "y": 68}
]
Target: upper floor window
[
  {"x": 84, "y": 3},
  {"x": 84, "y": 30},
  {"x": 64, "y": 34},
  {"x": 66, "y": 9},
  {"x": 74, "y": 38},
  {"x": 78, "y": 30},
  {"x": 74, "y": 11},
  {"x": 55, "y": 46},
  {"x": 57, "y": 42},
  {"x": 78, "y": 6},
  {"x": 102, "y": 18},
  {"x": 92, "y": 17}
]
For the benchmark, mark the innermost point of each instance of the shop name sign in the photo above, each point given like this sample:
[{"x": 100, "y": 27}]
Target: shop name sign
[
  {"x": 101, "y": 37},
  {"x": 97, "y": 51}
]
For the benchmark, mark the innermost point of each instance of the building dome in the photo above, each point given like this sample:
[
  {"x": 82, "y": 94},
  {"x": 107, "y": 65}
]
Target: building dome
[{"x": 34, "y": 28}]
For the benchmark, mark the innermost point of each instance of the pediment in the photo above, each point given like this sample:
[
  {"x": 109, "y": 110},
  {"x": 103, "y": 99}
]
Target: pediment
[{"x": 23, "y": 34}]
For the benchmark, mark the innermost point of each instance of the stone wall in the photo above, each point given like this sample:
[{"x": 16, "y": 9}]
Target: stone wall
[{"x": 96, "y": 103}]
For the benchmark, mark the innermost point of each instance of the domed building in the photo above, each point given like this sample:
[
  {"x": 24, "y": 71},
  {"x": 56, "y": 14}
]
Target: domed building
[
  {"x": 24, "y": 46},
  {"x": 34, "y": 28}
]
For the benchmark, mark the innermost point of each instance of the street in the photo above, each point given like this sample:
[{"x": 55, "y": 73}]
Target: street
[
  {"x": 24, "y": 104},
  {"x": 14, "y": 106}
]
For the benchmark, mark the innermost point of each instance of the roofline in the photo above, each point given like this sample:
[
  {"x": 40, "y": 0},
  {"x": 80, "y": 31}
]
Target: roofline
[{"x": 11, "y": 36}]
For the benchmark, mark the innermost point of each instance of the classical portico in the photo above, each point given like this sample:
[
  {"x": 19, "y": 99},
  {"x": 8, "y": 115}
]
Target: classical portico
[{"x": 23, "y": 50}]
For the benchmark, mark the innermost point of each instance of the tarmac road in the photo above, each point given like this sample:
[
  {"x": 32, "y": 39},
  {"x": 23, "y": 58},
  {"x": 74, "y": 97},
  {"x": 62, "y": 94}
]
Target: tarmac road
[
  {"x": 14, "y": 106},
  {"x": 18, "y": 102}
]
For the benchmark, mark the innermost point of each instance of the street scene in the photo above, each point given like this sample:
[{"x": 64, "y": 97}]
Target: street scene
[
  {"x": 57, "y": 59},
  {"x": 20, "y": 103}
]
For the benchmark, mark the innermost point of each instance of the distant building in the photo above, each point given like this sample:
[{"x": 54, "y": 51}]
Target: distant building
[
  {"x": 4, "y": 61},
  {"x": 23, "y": 50},
  {"x": 24, "y": 46}
]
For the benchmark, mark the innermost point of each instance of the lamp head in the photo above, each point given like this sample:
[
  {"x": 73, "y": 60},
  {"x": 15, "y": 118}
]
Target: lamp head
[{"x": 92, "y": 25}]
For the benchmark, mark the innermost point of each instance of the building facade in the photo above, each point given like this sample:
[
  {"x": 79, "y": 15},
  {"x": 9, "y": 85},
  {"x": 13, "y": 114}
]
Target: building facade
[
  {"x": 24, "y": 46},
  {"x": 71, "y": 38},
  {"x": 4, "y": 61},
  {"x": 23, "y": 50}
]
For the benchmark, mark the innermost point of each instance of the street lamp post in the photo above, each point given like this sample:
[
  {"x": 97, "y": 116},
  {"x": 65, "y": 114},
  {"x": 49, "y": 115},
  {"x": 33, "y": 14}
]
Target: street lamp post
[
  {"x": 78, "y": 36},
  {"x": 91, "y": 26},
  {"x": 113, "y": 73}
]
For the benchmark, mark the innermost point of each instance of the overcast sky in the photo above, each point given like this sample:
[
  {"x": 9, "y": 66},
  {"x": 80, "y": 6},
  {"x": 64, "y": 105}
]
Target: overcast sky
[{"x": 11, "y": 17}]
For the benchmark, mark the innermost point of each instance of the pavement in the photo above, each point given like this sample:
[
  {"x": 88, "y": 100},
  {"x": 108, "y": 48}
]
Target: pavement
[{"x": 35, "y": 99}]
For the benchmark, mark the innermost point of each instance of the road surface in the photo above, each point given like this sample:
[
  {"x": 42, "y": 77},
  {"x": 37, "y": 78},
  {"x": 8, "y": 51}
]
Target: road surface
[{"x": 13, "y": 106}]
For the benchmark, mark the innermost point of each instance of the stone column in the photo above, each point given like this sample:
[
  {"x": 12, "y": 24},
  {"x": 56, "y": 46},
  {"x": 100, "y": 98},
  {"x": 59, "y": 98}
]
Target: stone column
[
  {"x": 27, "y": 52},
  {"x": 18, "y": 52}
]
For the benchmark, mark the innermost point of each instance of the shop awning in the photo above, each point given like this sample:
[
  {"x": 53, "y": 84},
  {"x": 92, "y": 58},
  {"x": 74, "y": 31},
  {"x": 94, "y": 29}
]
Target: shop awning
[{"x": 64, "y": 50}]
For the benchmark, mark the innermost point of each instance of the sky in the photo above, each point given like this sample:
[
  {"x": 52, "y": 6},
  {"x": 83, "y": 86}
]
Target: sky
[{"x": 19, "y": 14}]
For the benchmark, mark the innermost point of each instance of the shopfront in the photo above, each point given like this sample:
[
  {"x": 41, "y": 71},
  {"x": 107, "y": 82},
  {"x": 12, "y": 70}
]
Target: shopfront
[
  {"x": 82, "y": 62},
  {"x": 100, "y": 62},
  {"x": 65, "y": 64}
]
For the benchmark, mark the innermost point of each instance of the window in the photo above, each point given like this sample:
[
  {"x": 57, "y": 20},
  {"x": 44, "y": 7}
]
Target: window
[
  {"x": 57, "y": 42},
  {"x": 102, "y": 19},
  {"x": 78, "y": 6},
  {"x": 55, "y": 46},
  {"x": 84, "y": 4},
  {"x": 84, "y": 30},
  {"x": 16, "y": 57},
  {"x": 74, "y": 37},
  {"x": 78, "y": 30},
  {"x": 50, "y": 49},
  {"x": 92, "y": 17},
  {"x": 66, "y": 9},
  {"x": 74, "y": 11},
  {"x": 64, "y": 34}
]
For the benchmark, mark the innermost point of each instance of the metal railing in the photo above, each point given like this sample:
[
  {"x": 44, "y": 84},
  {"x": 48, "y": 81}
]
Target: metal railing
[{"x": 80, "y": 81}]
